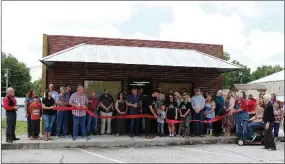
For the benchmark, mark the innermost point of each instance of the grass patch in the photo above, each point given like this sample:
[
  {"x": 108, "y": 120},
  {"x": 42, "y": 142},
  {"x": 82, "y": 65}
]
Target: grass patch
[{"x": 21, "y": 127}]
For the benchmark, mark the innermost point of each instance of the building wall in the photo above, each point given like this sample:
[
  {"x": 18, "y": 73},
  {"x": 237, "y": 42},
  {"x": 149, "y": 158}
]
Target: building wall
[
  {"x": 276, "y": 87},
  {"x": 76, "y": 73},
  {"x": 58, "y": 43}
]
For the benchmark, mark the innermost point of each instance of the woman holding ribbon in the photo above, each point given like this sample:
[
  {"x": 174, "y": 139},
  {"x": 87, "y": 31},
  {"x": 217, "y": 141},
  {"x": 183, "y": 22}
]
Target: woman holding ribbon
[
  {"x": 210, "y": 107},
  {"x": 219, "y": 111},
  {"x": 121, "y": 109},
  {"x": 228, "y": 122},
  {"x": 48, "y": 114},
  {"x": 171, "y": 114}
]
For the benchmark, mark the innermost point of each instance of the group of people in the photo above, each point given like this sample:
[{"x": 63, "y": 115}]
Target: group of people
[{"x": 173, "y": 107}]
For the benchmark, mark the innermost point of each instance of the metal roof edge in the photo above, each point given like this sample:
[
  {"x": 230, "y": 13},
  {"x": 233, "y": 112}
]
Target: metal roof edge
[
  {"x": 62, "y": 51},
  {"x": 217, "y": 58}
]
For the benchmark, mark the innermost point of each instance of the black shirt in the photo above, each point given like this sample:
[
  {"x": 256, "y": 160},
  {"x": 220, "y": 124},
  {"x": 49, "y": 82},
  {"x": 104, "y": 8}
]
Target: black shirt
[
  {"x": 268, "y": 115},
  {"x": 184, "y": 107},
  {"x": 171, "y": 110},
  {"x": 48, "y": 103},
  {"x": 151, "y": 101},
  {"x": 107, "y": 101}
]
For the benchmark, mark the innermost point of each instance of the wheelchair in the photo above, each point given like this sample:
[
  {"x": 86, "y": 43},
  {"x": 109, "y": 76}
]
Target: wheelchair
[{"x": 259, "y": 133}]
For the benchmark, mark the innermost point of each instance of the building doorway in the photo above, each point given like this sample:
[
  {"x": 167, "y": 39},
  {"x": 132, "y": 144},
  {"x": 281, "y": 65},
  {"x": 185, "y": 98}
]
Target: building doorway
[{"x": 146, "y": 84}]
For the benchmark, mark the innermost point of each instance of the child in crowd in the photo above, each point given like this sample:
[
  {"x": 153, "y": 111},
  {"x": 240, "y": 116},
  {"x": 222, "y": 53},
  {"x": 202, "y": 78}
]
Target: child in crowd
[
  {"x": 36, "y": 113},
  {"x": 278, "y": 118},
  {"x": 160, "y": 120}
]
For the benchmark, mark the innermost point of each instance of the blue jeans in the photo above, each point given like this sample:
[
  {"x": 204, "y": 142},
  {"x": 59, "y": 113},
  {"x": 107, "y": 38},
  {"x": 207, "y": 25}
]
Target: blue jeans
[
  {"x": 210, "y": 125},
  {"x": 160, "y": 128},
  {"x": 62, "y": 121},
  {"x": 134, "y": 124},
  {"x": 276, "y": 127},
  {"x": 89, "y": 120},
  {"x": 253, "y": 125},
  {"x": 241, "y": 124},
  {"x": 48, "y": 121},
  {"x": 79, "y": 120}
]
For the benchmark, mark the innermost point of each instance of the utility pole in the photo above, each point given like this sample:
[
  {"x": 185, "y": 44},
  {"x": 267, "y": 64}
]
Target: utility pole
[{"x": 7, "y": 78}]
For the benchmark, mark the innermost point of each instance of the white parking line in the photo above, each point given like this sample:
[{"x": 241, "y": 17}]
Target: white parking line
[
  {"x": 233, "y": 155},
  {"x": 97, "y": 155}
]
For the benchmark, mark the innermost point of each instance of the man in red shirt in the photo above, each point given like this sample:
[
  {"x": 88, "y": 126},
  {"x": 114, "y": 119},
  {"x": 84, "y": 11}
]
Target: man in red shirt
[
  {"x": 10, "y": 105},
  {"x": 241, "y": 115},
  {"x": 93, "y": 106}
]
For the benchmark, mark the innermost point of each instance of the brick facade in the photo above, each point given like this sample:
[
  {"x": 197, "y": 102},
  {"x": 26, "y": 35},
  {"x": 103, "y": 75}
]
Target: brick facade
[
  {"x": 58, "y": 43},
  {"x": 63, "y": 73}
]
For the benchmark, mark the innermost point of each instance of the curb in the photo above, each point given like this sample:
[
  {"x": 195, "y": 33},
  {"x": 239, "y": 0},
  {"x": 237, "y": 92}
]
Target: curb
[
  {"x": 136, "y": 142},
  {"x": 111, "y": 143}
]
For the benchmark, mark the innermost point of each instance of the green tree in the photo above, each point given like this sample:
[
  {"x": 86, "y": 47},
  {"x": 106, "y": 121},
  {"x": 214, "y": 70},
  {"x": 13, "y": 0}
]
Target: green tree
[
  {"x": 18, "y": 75},
  {"x": 265, "y": 70},
  {"x": 241, "y": 76},
  {"x": 226, "y": 56},
  {"x": 37, "y": 86}
]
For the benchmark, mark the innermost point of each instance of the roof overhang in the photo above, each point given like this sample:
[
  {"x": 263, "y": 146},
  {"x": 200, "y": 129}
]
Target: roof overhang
[{"x": 139, "y": 56}]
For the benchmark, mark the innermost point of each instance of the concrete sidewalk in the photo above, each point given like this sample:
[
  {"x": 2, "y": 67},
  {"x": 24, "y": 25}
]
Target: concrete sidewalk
[{"x": 112, "y": 141}]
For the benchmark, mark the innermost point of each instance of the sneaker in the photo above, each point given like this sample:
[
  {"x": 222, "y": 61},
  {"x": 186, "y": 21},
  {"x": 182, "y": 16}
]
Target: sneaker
[
  {"x": 15, "y": 138},
  {"x": 74, "y": 139},
  {"x": 253, "y": 138},
  {"x": 272, "y": 149},
  {"x": 87, "y": 138},
  {"x": 201, "y": 136},
  {"x": 57, "y": 137},
  {"x": 9, "y": 141}
]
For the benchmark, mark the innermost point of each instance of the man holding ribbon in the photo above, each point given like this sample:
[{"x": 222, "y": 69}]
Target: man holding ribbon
[
  {"x": 79, "y": 100},
  {"x": 134, "y": 103}
]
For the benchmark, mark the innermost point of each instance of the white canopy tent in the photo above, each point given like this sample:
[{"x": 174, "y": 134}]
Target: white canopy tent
[
  {"x": 278, "y": 76},
  {"x": 139, "y": 56},
  {"x": 275, "y": 83}
]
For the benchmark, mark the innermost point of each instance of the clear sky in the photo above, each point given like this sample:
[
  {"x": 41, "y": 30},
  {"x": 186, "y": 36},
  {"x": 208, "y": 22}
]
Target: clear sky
[{"x": 252, "y": 32}]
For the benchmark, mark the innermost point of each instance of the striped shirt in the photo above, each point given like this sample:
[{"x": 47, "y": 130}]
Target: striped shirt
[{"x": 79, "y": 100}]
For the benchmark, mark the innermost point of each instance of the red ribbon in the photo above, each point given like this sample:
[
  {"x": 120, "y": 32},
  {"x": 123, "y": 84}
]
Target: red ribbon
[{"x": 138, "y": 116}]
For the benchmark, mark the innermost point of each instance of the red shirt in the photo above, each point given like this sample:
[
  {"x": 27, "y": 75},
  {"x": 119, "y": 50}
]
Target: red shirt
[
  {"x": 251, "y": 105},
  {"x": 93, "y": 104},
  {"x": 6, "y": 103},
  {"x": 243, "y": 104},
  {"x": 36, "y": 110}
]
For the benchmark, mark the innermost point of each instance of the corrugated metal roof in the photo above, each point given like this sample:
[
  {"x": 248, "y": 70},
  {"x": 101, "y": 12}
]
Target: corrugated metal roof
[
  {"x": 248, "y": 87},
  {"x": 139, "y": 56},
  {"x": 278, "y": 76}
]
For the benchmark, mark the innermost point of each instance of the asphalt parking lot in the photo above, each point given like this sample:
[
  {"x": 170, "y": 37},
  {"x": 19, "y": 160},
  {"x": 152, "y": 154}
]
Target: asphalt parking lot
[{"x": 217, "y": 153}]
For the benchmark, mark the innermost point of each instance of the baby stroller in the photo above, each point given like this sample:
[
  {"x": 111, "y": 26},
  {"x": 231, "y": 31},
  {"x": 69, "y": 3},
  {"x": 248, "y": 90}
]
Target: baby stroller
[{"x": 259, "y": 133}]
